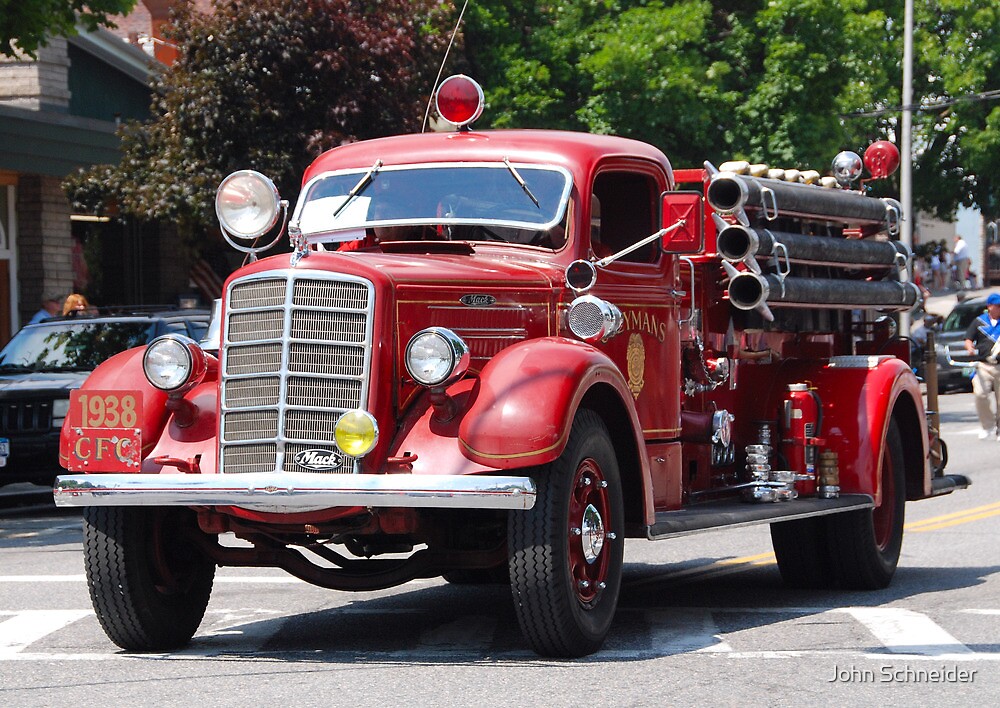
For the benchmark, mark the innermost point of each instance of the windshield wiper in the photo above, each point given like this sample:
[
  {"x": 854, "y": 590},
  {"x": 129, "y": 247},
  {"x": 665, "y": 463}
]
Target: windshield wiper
[
  {"x": 361, "y": 186},
  {"x": 520, "y": 181},
  {"x": 16, "y": 367}
]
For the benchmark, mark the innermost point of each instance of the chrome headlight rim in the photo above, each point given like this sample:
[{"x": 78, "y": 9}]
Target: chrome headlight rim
[
  {"x": 454, "y": 353},
  {"x": 188, "y": 356},
  {"x": 602, "y": 320},
  {"x": 272, "y": 207}
]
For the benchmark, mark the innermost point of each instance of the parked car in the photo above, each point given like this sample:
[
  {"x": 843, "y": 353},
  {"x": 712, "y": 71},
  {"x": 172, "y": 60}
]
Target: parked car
[
  {"x": 45, "y": 361},
  {"x": 950, "y": 346}
]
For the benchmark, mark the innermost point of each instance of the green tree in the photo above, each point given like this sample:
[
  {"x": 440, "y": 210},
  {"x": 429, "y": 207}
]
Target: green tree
[
  {"x": 267, "y": 85},
  {"x": 25, "y": 24},
  {"x": 788, "y": 82}
]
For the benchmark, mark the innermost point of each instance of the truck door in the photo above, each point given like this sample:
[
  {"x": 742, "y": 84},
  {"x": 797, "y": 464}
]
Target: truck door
[{"x": 625, "y": 210}]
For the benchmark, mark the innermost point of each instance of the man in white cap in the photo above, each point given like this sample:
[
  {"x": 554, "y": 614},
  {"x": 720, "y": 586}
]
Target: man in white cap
[{"x": 982, "y": 340}]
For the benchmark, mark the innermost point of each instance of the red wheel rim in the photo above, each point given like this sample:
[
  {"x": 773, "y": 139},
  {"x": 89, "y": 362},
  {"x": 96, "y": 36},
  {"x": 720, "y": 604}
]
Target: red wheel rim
[
  {"x": 884, "y": 515},
  {"x": 589, "y": 522}
]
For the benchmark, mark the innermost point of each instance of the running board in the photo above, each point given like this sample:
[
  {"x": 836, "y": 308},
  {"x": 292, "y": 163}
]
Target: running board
[
  {"x": 948, "y": 483},
  {"x": 733, "y": 513}
]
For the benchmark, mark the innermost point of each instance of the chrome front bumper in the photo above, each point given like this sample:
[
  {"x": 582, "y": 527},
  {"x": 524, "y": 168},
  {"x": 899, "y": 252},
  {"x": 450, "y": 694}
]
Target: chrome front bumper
[{"x": 292, "y": 492}]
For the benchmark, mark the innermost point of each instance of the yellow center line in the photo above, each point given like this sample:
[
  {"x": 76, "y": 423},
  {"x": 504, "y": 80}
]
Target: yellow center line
[
  {"x": 915, "y": 526},
  {"x": 956, "y": 522},
  {"x": 746, "y": 559}
]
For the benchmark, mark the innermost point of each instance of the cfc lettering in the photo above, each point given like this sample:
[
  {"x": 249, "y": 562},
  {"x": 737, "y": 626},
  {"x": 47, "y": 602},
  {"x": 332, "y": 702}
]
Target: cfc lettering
[{"x": 98, "y": 449}]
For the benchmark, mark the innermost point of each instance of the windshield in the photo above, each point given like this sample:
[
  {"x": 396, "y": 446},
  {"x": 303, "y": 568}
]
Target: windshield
[
  {"x": 71, "y": 346},
  {"x": 961, "y": 317},
  {"x": 503, "y": 201}
]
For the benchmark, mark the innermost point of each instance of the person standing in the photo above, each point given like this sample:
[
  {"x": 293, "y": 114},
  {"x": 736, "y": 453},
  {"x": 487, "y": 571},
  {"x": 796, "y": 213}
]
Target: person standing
[
  {"x": 51, "y": 307},
  {"x": 982, "y": 340},
  {"x": 961, "y": 260}
]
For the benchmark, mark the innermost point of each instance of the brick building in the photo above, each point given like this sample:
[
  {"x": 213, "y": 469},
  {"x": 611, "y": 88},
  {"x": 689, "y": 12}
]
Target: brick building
[{"x": 60, "y": 113}]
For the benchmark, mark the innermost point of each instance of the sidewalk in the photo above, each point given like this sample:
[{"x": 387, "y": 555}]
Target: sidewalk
[{"x": 942, "y": 302}]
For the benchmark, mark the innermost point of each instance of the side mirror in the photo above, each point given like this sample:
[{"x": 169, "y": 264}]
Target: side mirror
[{"x": 690, "y": 207}]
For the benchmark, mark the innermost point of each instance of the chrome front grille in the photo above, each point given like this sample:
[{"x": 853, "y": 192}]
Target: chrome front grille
[{"x": 296, "y": 356}]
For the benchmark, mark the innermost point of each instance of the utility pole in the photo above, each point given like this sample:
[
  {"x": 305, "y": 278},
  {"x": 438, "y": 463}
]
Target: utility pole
[{"x": 906, "y": 152}]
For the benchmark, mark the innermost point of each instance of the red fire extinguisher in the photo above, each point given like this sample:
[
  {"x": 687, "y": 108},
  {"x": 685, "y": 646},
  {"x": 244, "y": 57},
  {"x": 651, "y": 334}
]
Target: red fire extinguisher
[{"x": 802, "y": 418}]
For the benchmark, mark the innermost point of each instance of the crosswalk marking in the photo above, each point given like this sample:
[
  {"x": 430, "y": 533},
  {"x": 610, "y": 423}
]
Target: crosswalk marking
[
  {"x": 647, "y": 633},
  {"x": 28, "y": 626},
  {"x": 903, "y": 631},
  {"x": 682, "y": 631}
]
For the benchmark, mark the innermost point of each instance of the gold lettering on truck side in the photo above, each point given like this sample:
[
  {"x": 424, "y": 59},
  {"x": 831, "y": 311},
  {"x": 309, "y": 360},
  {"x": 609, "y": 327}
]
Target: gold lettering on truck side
[{"x": 642, "y": 321}]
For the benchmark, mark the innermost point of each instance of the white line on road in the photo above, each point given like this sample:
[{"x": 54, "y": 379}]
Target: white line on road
[
  {"x": 28, "y": 626},
  {"x": 903, "y": 631}
]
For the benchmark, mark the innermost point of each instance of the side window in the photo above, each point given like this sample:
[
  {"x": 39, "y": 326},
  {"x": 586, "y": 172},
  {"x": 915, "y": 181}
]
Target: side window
[{"x": 628, "y": 204}]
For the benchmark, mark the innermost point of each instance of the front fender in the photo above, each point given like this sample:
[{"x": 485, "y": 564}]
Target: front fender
[
  {"x": 194, "y": 446},
  {"x": 527, "y": 397},
  {"x": 123, "y": 372}
]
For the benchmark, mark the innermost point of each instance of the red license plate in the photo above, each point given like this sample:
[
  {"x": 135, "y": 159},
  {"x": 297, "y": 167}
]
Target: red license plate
[{"x": 102, "y": 431}]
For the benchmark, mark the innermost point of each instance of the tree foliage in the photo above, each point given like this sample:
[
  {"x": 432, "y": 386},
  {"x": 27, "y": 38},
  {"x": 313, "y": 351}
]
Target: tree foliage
[
  {"x": 788, "y": 82},
  {"x": 25, "y": 24},
  {"x": 267, "y": 85}
]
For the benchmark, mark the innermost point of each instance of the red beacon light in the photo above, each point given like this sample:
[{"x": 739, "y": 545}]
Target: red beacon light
[
  {"x": 460, "y": 100},
  {"x": 881, "y": 159}
]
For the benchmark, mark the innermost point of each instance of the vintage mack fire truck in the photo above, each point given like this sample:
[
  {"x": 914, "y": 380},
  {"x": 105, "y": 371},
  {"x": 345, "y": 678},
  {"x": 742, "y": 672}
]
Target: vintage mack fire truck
[{"x": 494, "y": 356}]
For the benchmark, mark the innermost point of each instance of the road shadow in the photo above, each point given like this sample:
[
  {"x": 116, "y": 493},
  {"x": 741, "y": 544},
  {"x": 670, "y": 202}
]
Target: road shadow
[{"x": 448, "y": 624}]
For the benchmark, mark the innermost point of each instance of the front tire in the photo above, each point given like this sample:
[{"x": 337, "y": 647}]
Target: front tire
[
  {"x": 566, "y": 553},
  {"x": 148, "y": 583}
]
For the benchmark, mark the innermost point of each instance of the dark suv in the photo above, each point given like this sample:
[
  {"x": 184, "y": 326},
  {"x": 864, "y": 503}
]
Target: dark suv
[
  {"x": 950, "y": 345},
  {"x": 45, "y": 361}
]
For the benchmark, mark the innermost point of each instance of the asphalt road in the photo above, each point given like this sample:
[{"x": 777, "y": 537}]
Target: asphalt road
[{"x": 704, "y": 620}]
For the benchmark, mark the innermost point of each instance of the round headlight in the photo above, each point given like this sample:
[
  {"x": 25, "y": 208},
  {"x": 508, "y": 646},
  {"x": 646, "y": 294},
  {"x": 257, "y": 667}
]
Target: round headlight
[
  {"x": 247, "y": 204},
  {"x": 356, "y": 433},
  {"x": 593, "y": 319},
  {"x": 174, "y": 361},
  {"x": 436, "y": 356}
]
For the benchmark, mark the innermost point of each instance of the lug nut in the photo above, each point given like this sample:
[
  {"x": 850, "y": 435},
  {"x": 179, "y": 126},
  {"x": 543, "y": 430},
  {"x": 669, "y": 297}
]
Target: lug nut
[{"x": 576, "y": 532}]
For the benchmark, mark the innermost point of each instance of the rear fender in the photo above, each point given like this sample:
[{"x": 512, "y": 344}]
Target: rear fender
[
  {"x": 858, "y": 404},
  {"x": 527, "y": 396}
]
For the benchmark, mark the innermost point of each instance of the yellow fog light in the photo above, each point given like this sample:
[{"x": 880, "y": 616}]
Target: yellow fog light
[{"x": 356, "y": 433}]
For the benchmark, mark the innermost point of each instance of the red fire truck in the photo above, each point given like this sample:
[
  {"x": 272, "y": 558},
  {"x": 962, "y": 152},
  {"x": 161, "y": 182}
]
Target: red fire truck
[{"x": 495, "y": 356}]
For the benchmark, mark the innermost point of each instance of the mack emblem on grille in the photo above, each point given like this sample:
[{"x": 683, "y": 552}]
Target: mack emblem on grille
[
  {"x": 478, "y": 300},
  {"x": 317, "y": 459}
]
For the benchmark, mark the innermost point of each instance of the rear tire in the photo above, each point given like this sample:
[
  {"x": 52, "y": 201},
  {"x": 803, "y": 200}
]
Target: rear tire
[
  {"x": 566, "y": 552},
  {"x": 855, "y": 550},
  {"x": 800, "y": 547},
  {"x": 148, "y": 583},
  {"x": 866, "y": 544}
]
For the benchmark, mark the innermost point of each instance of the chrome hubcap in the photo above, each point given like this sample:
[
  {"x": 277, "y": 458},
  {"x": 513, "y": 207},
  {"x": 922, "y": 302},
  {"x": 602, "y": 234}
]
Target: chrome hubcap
[{"x": 592, "y": 535}]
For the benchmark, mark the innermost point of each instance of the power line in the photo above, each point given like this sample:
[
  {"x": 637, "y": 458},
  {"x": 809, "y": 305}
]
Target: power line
[{"x": 970, "y": 98}]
